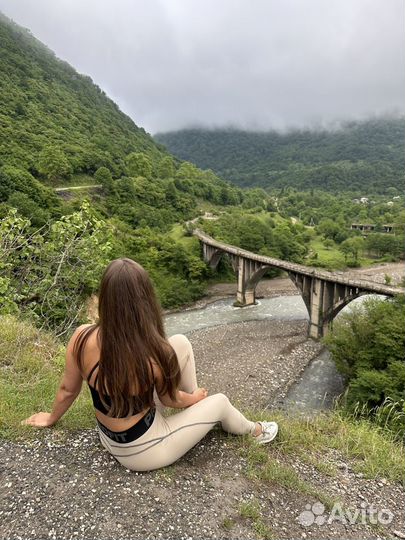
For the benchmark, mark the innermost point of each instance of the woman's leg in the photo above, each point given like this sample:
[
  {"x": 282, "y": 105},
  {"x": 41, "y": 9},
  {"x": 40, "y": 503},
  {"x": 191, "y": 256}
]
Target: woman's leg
[
  {"x": 168, "y": 439},
  {"x": 185, "y": 356}
]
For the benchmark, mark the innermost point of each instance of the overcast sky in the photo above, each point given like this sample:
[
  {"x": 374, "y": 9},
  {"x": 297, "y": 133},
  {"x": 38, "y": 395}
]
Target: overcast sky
[{"x": 252, "y": 63}]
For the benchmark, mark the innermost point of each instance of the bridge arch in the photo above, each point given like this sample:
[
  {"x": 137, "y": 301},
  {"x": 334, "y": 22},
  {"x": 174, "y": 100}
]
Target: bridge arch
[
  {"x": 334, "y": 310},
  {"x": 254, "y": 279},
  {"x": 215, "y": 258}
]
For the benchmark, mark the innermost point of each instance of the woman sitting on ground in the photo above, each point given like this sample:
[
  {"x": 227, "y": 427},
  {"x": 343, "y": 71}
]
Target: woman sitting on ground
[{"x": 133, "y": 372}]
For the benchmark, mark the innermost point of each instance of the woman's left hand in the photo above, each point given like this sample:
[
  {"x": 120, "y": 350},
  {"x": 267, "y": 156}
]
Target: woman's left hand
[
  {"x": 199, "y": 394},
  {"x": 41, "y": 419}
]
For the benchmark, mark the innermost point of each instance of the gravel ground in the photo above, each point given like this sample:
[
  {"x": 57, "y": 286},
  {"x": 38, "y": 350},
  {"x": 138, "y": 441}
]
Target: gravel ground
[
  {"x": 72, "y": 489},
  {"x": 66, "y": 486},
  {"x": 377, "y": 273}
]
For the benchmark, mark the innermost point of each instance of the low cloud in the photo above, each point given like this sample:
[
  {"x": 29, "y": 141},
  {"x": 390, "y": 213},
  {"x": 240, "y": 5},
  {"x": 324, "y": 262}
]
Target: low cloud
[{"x": 255, "y": 64}]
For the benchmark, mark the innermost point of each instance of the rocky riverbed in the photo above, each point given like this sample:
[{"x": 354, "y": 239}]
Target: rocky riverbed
[{"x": 253, "y": 362}]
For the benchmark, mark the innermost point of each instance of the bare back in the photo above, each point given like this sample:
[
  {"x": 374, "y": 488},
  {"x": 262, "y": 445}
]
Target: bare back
[{"x": 91, "y": 355}]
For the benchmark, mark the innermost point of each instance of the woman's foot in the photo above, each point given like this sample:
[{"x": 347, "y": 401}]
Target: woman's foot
[{"x": 265, "y": 432}]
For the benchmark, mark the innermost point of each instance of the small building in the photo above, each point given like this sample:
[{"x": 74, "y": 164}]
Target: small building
[
  {"x": 364, "y": 200},
  {"x": 371, "y": 227},
  {"x": 363, "y": 227}
]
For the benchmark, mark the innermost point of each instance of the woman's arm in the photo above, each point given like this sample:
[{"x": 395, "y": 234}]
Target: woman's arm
[
  {"x": 68, "y": 391},
  {"x": 183, "y": 399}
]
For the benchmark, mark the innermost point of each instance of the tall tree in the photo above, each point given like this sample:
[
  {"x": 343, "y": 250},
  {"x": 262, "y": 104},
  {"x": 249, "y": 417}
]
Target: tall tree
[
  {"x": 53, "y": 163},
  {"x": 139, "y": 164}
]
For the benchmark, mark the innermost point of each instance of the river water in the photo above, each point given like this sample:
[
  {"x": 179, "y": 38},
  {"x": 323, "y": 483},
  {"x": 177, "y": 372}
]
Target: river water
[
  {"x": 320, "y": 383},
  {"x": 222, "y": 312}
]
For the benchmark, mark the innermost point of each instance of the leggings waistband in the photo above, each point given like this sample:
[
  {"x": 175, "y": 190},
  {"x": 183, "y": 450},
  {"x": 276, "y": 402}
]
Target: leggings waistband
[{"x": 134, "y": 432}]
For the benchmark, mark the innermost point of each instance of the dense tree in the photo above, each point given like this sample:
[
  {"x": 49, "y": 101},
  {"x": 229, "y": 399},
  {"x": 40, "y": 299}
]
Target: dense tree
[
  {"x": 13, "y": 179},
  {"x": 353, "y": 247},
  {"x": 329, "y": 229},
  {"x": 52, "y": 163},
  {"x": 166, "y": 168},
  {"x": 103, "y": 176},
  {"x": 44, "y": 101},
  {"x": 385, "y": 244},
  {"x": 368, "y": 345},
  {"x": 49, "y": 273},
  {"x": 281, "y": 240},
  {"x": 139, "y": 164}
]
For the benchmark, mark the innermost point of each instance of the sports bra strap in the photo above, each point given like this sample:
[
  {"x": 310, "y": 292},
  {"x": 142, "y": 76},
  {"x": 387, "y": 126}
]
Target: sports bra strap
[{"x": 92, "y": 371}]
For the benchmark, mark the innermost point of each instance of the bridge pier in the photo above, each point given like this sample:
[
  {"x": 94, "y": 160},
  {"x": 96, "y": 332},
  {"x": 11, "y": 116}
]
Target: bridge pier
[
  {"x": 240, "y": 291},
  {"x": 319, "y": 296},
  {"x": 319, "y": 306},
  {"x": 249, "y": 273}
]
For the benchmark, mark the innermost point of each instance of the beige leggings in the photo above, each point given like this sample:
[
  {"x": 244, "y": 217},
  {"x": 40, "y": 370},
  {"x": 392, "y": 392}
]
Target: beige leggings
[{"x": 169, "y": 438}]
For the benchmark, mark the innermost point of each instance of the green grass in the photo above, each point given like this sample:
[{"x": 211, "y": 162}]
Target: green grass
[
  {"x": 31, "y": 365},
  {"x": 372, "y": 450},
  {"x": 177, "y": 234},
  {"x": 267, "y": 467},
  {"x": 331, "y": 258},
  {"x": 227, "y": 523},
  {"x": 251, "y": 510}
]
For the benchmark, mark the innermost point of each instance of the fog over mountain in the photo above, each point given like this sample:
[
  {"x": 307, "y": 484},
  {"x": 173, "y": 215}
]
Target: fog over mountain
[{"x": 254, "y": 64}]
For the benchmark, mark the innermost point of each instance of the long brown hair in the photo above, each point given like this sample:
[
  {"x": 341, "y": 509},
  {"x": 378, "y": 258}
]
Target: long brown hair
[{"x": 131, "y": 334}]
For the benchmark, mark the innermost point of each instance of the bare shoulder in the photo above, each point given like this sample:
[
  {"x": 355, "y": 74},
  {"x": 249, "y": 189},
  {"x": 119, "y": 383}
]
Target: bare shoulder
[
  {"x": 83, "y": 327},
  {"x": 77, "y": 333},
  {"x": 79, "y": 330}
]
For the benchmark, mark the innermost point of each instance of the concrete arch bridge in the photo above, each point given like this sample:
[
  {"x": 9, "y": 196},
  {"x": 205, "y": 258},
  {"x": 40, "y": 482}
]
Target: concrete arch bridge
[{"x": 324, "y": 293}]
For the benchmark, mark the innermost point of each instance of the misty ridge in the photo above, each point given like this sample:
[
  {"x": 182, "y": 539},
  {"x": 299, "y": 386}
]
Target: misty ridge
[
  {"x": 328, "y": 126},
  {"x": 365, "y": 155}
]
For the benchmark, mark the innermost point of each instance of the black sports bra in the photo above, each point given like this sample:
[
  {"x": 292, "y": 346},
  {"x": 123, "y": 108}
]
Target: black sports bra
[{"x": 98, "y": 404}]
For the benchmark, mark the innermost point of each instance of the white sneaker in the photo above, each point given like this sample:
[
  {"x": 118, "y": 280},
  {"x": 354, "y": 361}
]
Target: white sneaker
[{"x": 269, "y": 431}]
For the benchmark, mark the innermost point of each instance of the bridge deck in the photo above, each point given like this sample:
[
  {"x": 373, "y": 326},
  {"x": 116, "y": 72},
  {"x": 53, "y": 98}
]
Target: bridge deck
[{"x": 335, "y": 277}]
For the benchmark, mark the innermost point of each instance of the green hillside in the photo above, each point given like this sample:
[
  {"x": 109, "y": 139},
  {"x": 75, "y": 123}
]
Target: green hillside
[
  {"x": 44, "y": 101},
  {"x": 58, "y": 128},
  {"x": 361, "y": 156}
]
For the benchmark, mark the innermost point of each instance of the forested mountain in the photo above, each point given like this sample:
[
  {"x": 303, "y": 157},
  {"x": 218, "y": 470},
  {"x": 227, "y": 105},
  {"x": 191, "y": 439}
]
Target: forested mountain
[
  {"x": 364, "y": 156},
  {"x": 57, "y": 127},
  {"x": 44, "y": 101}
]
